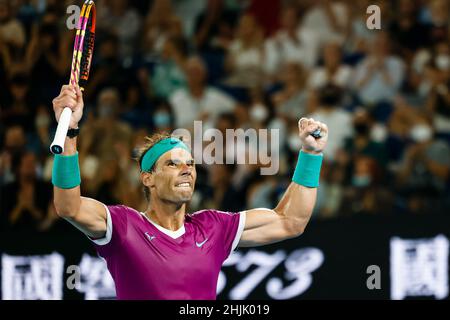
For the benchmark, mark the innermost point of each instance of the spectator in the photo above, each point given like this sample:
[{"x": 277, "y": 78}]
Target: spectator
[
  {"x": 266, "y": 12},
  {"x": 426, "y": 162},
  {"x": 42, "y": 125},
  {"x": 292, "y": 43},
  {"x": 245, "y": 58},
  {"x": 12, "y": 37},
  {"x": 19, "y": 111},
  {"x": 11, "y": 30},
  {"x": 107, "y": 70},
  {"x": 198, "y": 101},
  {"x": 160, "y": 24},
  {"x": 439, "y": 107},
  {"x": 261, "y": 193},
  {"x": 400, "y": 122},
  {"x": 437, "y": 84},
  {"x": 47, "y": 58},
  {"x": 118, "y": 18},
  {"x": 106, "y": 125},
  {"x": 331, "y": 192},
  {"x": 163, "y": 118},
  {"x": 228, "y": 150},
  {"x": 438, "y": 22},
  {"x": 13, "y": 147},
  {"x": 333, "y": 70},
  {"x": 168, "y": 75},
  {"x": 291, "y": 101},
  {"x": 379, "y": 76},
  {"x": 330, "y": 20},
  {"x": 192, "y": 12},
  {"x": 135, "y": 109},
  {"x": 337, "y": 119},
  {"x": 26, "y": 201},
  {"x": 366, "y": 195},
  {"x": 214, "y": 27},
  {"x": 259, "y": 110},
  {"x": 361, "y": 143},
  {"x": 430, "y": 68},
  {"x": 224, "y": 195},
  {"x": 406, "y": 30}
]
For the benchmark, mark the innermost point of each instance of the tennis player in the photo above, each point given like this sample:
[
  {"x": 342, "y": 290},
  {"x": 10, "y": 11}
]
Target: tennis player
[{"x": 165, "y": 252}]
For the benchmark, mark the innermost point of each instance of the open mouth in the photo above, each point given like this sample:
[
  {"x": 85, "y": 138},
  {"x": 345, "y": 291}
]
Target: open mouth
[{"x": 183, "y": 185}]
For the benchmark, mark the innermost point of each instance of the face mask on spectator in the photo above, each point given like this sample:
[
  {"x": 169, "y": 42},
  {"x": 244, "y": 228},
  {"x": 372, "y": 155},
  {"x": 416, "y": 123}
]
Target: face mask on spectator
[
  {"x": 161, "y": 119},
  {"x": 420, "y": 60},
  {"x": 361, "y": 181},
  {"x": 425, "y": 87},
  {"x": 378, "y": 133},
  {"x": 89, "y": 167},
  {"x": 294, "y": 142},
  {"x": 421, "y": 133},
  {"x": 442, "y": 62},
  {"x": 258, "y": 113}
]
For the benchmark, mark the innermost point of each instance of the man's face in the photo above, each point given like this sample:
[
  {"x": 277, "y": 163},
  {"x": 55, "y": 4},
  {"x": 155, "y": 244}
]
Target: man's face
[
  {"x": 27, "y": 169},
  {"x": 332, "y": 54},
  {"x": 173, "y": 179},
  {"x": 381, "y": 44},
  {"x": 195, "y": 71},
  {"x": 289, "y": 18}
]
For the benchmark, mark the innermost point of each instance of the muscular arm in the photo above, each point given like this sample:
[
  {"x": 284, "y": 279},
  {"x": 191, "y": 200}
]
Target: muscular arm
[
  {"x": 88, "y": 215},
  {"x": 292, "y": 214},
  {"x": 287, "y": 220}
]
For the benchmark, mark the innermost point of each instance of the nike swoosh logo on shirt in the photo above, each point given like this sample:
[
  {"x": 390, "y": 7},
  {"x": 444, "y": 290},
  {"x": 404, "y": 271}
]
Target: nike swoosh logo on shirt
[
  {"x": 201, "y": 243},
  {"x": 150, "y": 237}
]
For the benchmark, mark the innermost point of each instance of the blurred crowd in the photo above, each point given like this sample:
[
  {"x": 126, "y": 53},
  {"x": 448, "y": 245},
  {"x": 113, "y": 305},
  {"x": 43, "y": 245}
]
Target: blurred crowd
[{"x": 159, "y": 65}]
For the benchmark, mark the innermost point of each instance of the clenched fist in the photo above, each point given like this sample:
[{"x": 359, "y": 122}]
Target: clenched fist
[
  {"x": 311, "y": 144},
  {"x": 71, "y": 97}
]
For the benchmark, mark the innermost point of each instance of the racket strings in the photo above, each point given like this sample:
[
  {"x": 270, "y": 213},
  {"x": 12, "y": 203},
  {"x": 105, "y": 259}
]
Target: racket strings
[
  {"x": 84, "y": 44},
  {"x": 88, "y": 49}
]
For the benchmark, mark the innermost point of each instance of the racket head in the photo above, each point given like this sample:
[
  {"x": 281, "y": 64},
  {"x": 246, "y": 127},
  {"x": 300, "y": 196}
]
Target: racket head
[
  {"x": 88, "y": 43},
  {"x": 74, "y": 71},
  {"x": 83, "y": 45}
]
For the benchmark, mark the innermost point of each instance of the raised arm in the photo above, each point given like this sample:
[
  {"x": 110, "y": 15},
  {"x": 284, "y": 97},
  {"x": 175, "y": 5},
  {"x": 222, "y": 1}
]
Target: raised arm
[
  {"x": 88, "y": 215},
  {"x": 291, "y": 215}
]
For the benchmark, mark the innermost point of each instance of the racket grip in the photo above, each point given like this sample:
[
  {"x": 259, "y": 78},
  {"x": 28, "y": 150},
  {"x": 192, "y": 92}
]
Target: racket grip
[
  {"x": 317, "y": 134},
  {"x": 57, "y": 146}
]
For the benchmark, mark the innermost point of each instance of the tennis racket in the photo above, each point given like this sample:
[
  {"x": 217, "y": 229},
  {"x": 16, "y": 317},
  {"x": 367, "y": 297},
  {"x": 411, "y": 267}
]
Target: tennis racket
[{"x": 81, "y": 63}]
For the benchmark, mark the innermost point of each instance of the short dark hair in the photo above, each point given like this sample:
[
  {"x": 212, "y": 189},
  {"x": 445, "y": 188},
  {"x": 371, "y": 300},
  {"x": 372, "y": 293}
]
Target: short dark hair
[{"x": 330, "y": 95}]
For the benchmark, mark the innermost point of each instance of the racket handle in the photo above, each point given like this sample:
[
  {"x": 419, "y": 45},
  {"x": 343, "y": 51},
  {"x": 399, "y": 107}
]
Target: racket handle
[{"x": 57, "y": 146}]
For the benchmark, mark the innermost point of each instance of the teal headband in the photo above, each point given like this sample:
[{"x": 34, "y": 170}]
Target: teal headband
[{"x": 152, "y": 155}]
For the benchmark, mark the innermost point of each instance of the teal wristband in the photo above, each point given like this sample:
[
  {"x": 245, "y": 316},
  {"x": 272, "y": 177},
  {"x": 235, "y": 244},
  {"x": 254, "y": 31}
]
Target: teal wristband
[
  {"x": 307, "y": 171},
  {"x": 66, "y": 171}
]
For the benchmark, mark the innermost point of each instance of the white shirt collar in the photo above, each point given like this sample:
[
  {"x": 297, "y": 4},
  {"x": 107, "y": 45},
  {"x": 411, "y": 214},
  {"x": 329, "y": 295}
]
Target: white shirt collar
[{"x": 173, "y": 234}]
